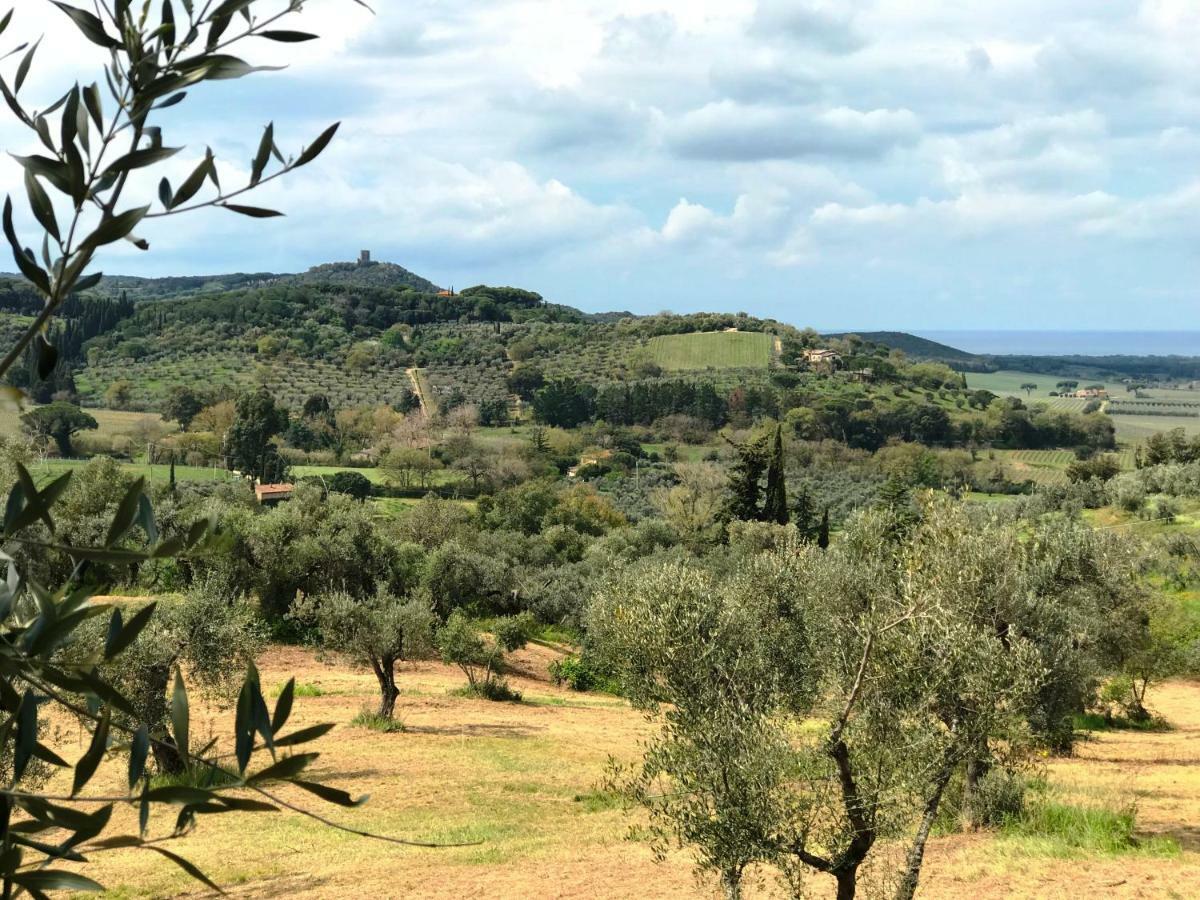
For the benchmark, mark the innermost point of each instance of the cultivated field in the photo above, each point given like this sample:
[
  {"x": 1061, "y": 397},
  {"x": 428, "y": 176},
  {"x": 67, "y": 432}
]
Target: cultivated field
[
  {"x": 715, "y": 349},
  {"x": 1135, "y": 429},
  {"x": 523, "y": 783},
  {"x": 1047, "y": 466}
]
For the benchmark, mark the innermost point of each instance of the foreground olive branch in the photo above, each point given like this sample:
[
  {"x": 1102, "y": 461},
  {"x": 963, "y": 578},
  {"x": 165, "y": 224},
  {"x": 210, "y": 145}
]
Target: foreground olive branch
[
  {"x": 76, "y": 191},
  {"x": 35, "y": 624},
  {"x": 153, "y": 63}
]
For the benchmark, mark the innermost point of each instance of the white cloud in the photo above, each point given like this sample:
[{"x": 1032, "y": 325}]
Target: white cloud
[
  {"x": 520, "y": 137},
  {"x": 828, "y": 26},
  {"x": 728, "y": 131}
]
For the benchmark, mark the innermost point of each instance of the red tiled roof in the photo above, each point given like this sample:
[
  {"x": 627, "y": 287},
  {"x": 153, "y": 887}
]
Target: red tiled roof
[{"x": 272, "y": 491}]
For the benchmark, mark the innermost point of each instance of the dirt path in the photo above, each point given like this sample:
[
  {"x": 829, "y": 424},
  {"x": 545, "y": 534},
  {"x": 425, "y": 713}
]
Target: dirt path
[{"x": 415, "y": 380}]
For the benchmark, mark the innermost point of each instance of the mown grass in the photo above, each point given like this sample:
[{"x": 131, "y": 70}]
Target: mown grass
[
  {"x": 712, "y": 350},
  {"x": 159, "y": 473}
]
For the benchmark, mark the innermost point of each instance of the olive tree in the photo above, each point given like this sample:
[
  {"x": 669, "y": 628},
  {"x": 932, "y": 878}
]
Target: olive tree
[
  {"x": 480, "y": 656},
  {"x": 379, "y": 630},
  {"x": 212, "y": 632},
  {"x": 95, "y": 139},
  {"x": 880, "y": 638}
]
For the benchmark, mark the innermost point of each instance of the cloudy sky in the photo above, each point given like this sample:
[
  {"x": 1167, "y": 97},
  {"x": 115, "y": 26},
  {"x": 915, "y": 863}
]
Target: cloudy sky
[{"x": 852, "y": 164}]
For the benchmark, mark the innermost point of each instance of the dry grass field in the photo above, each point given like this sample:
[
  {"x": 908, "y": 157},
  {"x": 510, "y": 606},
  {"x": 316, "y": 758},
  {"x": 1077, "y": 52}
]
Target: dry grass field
[
  {"x": 523, "y": 780},
  {"x": 111, "y": 421}
]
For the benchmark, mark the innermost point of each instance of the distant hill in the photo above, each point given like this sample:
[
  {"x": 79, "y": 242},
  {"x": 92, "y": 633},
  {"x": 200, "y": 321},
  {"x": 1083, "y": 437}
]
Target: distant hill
[
  {"x": 372, "y": 274},
  {"x": 912, "y": 345},
  {"x": 178, "y": 285}
]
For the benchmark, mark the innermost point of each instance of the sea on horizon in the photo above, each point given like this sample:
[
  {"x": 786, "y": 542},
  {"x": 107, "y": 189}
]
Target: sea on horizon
[{"x": 1074, "y": 343}]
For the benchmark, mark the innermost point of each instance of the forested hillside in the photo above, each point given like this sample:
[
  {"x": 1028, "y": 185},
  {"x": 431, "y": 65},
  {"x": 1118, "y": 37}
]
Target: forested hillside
[{"x": 374, "y": 335}]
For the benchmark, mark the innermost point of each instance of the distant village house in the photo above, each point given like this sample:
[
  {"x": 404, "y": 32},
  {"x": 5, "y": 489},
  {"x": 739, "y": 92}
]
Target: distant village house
[
  {"x": 822, "y": 359},
  {"x": 1091, "y": 394}
]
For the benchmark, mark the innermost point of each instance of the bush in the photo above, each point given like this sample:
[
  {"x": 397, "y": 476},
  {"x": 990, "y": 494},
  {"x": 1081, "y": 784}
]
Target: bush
[
  {"x": 496, "y": 690},
  {"x": 581, "y": 673},
  {"x": 1000, "y": 796}
]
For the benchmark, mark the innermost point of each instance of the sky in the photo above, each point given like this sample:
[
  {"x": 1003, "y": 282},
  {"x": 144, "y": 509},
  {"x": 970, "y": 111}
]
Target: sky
[{"x": 865, "y": 164}]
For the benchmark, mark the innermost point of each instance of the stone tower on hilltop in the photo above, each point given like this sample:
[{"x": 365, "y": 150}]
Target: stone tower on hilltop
[{"x": 364, "y": 258}]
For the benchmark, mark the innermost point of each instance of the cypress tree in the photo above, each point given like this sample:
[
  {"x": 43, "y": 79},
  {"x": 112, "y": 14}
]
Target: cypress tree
[
  {"x": 803, "y": 514},
  {"x": 775, "y": 504},
  {"x": 171, "y": 477},
  {"x": 823, "y": 532},
  {"x": 744, "y": 478}
]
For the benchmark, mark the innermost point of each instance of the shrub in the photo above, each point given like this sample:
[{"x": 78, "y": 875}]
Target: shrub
[
  {"x": 577, "y": 673},
  {"x": 1000, "y": 796},
  {"x": 481, "y": 658}
]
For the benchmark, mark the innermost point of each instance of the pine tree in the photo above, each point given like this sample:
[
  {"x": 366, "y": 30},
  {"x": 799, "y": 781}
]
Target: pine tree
[
  {"x": 823, "y": 532},
  {"x": 894, "y": 495},
  {"x": 171, "y": 476},
  {"x": 775, "y": 507}
]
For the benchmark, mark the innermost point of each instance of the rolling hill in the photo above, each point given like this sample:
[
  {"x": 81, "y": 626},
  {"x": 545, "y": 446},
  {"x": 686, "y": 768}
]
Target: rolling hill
[
  {"x": 912, "y": 345},
  {"x": 352, "y": 331}
]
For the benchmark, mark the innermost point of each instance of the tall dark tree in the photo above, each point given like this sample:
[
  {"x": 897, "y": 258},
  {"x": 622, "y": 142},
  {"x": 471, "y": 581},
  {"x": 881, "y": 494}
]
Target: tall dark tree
[
  {"x": 745, "y": 477},
  {"x": 248, "y": 445},
  {"x": 804, "y": 514},
  {"x": 565, "y": 403},
  {"x": 823, "y": 531},
  {"x": 182, "y": 406},
  {"x": 775, "y": 508}
]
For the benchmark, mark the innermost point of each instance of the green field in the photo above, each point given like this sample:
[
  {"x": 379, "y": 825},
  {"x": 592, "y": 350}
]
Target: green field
[
  {"x": 1008, "y": 384},
  {"x": 45, "y": 469},
  {"x": 714, "y": 349},
  {"x": 375, "y": 476}
]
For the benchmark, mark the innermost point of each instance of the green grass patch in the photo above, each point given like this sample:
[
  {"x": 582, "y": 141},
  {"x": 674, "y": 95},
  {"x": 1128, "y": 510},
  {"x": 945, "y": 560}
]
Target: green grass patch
[
  {"x": 598, "y": 801},
  {"x": 46, "y": 469},
  {"x": 197, "y": 776},
  {"x": 712, "y": 350},
  {"x": 1050, "y": 827},
  {"x": 375, "y": 722},
  {"x": 302, "y": 689},
  {"x": 375, "y": 476}
]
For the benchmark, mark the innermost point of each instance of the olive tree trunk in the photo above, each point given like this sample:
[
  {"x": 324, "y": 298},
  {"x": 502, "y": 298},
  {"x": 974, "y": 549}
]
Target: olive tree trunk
[{"x": 385, "y": 673}]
